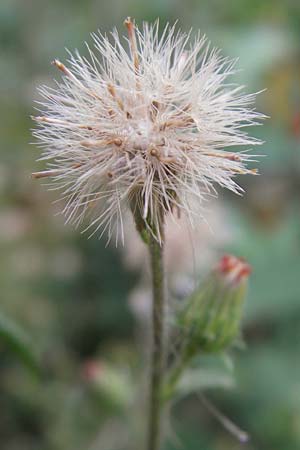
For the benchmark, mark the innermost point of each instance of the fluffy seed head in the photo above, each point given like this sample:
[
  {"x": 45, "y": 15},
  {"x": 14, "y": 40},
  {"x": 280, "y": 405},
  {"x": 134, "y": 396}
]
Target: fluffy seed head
[{"x": 150, "y": 128}]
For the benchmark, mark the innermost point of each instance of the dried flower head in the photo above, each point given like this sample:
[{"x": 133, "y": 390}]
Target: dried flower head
[{"x": 148, "y": 130}]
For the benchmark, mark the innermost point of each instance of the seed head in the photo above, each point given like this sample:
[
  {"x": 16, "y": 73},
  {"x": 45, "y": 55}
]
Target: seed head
[{"x": 145, "y": 130}]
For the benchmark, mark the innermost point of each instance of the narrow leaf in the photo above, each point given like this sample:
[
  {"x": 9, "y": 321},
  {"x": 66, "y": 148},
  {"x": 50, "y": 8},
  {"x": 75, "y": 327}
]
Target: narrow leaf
[{"x": 14, "y": 337}]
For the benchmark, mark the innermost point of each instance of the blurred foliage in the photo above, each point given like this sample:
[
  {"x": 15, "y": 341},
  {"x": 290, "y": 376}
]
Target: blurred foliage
[
  {"x": 70, "y": 295},
  {"x": 12, "y": 336}
]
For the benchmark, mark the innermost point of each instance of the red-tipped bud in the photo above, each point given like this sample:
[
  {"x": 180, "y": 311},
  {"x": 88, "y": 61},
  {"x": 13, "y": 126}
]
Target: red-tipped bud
[
  {"x": 211, "y": 319},
  {"x": 110, "y": 384}
]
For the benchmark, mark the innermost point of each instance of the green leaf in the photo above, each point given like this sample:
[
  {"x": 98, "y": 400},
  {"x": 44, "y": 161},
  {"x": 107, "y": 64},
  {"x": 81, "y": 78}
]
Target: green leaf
[
  {"x": 14, "y": 337},
  {"x": 213, "y": 372}
]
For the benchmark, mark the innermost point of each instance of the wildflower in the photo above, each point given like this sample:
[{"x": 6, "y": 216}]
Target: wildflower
[
  {"x": 211, "y": 319},
  {"x": 149, "y": 131}
]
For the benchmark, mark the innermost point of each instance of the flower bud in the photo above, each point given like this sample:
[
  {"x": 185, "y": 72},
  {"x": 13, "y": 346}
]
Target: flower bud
[
  {"x": 211, "y": 318},
  {"x": 111, "y": 385}
]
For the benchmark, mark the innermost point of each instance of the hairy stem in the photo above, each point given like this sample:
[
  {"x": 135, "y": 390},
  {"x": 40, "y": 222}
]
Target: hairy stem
[{"x": 157, "y": 361}]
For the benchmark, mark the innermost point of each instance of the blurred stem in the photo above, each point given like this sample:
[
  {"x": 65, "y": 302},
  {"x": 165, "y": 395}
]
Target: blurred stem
[
  {"x": 157, "y": 359},
  {"x": 175, "y": 374}
]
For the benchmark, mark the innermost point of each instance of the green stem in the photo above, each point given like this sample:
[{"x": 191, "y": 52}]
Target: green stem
[
  {"x": 175, "y": 374},
  {"x": 157, "y": 362}
]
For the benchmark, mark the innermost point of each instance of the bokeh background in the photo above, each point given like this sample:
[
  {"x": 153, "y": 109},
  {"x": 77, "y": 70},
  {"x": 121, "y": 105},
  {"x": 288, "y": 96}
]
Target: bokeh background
[{"x": 72, "y": 311}]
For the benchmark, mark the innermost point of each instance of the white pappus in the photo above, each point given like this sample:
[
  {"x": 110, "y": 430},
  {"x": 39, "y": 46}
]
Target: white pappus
[{"x": 150, "y": 129}]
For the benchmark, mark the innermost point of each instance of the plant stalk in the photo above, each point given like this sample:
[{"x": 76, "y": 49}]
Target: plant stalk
[
  {"x": 158, "y": 356},
  {"x": 174, "y": 376}
]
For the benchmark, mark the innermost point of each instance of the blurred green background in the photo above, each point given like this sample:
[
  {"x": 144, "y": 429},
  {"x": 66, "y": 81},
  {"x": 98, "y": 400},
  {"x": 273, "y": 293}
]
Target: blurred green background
[{"x": 72, "y": 298}]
